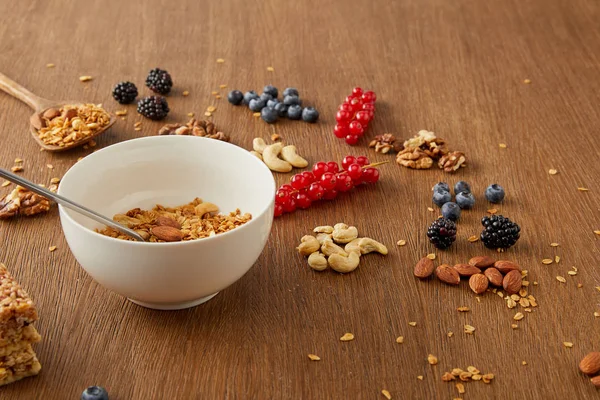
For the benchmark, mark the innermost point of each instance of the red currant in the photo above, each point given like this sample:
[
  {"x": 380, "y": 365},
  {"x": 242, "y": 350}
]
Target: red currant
[
  {"x": 356, "y": 104},
  {"x": 290, "y": 206},
  {"x": 287, "y": 187},
  {"x": 345, "y": 107},
  {"x": 302, "y": 200},
  {"x": 362, "y": 116},
  {"x": 315, "y": 191},
  {"x": 357, "y": 91},
  {"x": 328, "y": 180},
  {"x": 299, "y": 182},
  {"x": 344, "y": 183},
  {"x": 332, "y": 166},
  {"x": 371, "y": 115},
  {"x": 368, "y": 107},
  {"x": 309, "y": 176},
  {"x": 319, "y": 169},
  {"x": 355, "y": 172},
  {"x": 282, "y": 196},
  {"x": 348, "y": 99},
  {"x": 369, "y": 97},
  {"x": 370, "y": 175},
  {"x": 347, "y": 161},
  {"x": 330, "y": 194},
  {"x": 278, "y": 210},
  {"x": 341, "y": 129},
  {"x": 362, "y": 161},
  {"x": 343, "y": 115},
  {"x": 352, "y": 139},
  {"x": 356, "y": 128}
]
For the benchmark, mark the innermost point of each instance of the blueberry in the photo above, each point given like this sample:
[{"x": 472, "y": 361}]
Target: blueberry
[
  {"x": 294, "y": 112},
  {"x": 235, "y": 97},
  {"x": 461, "y": 186},
  {"x": 269, "y": 115},
  {"x": 281, "y": 109},
  {"x": 441, "y": 197},
  {"x": 249, "y": 96},
  {"x": 310, "y": 114},
  {"x": 442, "y": 185},
  {"x": 494, "y": 193},
  {"x": 272, "y": 90},
  {"x": 451, "y": 211},
  {"x": 256, "y": 105},
  {"x": 266, "y": 97},
  {"x": 290, "y": 92},
  {"x": 465, "y": 200},
  {"x": 289, "y": 100},
  {"x": 271, "y": 103},
  {"x": 94, "y": 393}
]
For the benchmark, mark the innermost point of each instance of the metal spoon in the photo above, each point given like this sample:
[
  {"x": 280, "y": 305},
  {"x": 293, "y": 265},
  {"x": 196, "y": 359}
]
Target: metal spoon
[
  {"x": 40, "y": 105},
  {"x": 69, "y": 204}
]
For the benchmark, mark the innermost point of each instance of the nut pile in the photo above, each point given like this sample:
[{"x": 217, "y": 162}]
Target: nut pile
[
  {"x": 590, "y": 365},
  {"x": 194, "y": 127},
  {"x": 22, "y": 202},
  {"x": 195, "y": 220},
  {"x": 69, "y": 124},
  {"x": 422, "y": 150},
  {"x": 323, "y": 251},
  {"x": 385, "y": 143},
  {"x": 270, "y": 154}
]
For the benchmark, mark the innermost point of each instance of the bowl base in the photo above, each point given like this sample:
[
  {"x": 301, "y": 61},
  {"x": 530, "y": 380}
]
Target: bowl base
[{"x": 174, "y": 306}]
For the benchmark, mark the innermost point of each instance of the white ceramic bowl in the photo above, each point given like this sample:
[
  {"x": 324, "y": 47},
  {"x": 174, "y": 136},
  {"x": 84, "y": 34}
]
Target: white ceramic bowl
[{"x": 168, "y": 170}]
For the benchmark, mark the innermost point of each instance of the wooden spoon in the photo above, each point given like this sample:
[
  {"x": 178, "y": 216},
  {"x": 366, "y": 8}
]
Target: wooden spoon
[{"x": 40, "y": 105}]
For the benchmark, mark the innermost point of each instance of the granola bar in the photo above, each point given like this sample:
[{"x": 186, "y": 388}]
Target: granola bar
[
  {"x": 18, "y": 340},
  {"x": 16, "y": 366},
  {"x": 16, "y": 307}
]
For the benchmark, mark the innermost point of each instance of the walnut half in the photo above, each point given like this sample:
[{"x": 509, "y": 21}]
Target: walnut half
[
  {"x": 452, "y": 161},
  {"x": 24, "y": 202}
]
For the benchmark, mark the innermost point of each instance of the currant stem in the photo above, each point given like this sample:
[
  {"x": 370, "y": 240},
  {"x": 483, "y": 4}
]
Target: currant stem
[{"x": 376, "y": 164}]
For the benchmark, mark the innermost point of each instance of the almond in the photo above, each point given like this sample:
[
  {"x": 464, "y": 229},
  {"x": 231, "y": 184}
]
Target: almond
[
  {"x": 481, "y": 261},
  {"x": 424, "y": 268},
  {"x": 466, "y": 269},
  {"x": 506, "y": 266},
  {"x": 590, "y": 364},
  {"x": 596, "y": 381},
  {"x": 166, "y": 221},
  {"x": 512, "y": 282},
  {"x": 51, "y": 113},
  {"x": 37, "y": 122},
  {"x": 70, "y": 113},
  {"x": 478, "y": 283},
  {"x": 167, "y": 233},
  {"x": 447, "y": 274},
  {"x": 494, "y": 276}
]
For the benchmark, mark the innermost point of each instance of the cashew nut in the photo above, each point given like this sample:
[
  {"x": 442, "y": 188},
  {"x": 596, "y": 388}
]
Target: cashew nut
[
  {"x": 353, "y": 245},
  {"x": 205, "y": 207},
  {"x": 275, "y": 163},
  {"x": 344, "y": 264},
  {"x": 322, "y": 237},
  {"x": 329, "y": 248},
  {"x": 289, "y": 154},
  {"x": 323, "y": 229},
  {"x": 367, "y": 245},
  {"x": 309, "y": 245},
  {"x": 317, "y": 261},
  {"x": 258, "y": 145},
  {"x": 256, "y": 154},
  {"x": 343, "y": 233}
]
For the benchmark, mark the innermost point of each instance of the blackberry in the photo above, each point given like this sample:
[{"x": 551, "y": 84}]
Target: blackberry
[
  {"x": 159, "y": 81},
  {"x": 153, "y": 107},
  {"x": 442, "y": 233},
  {"x": 499, "y": 232},
  {"x": 125, "y": 92}
]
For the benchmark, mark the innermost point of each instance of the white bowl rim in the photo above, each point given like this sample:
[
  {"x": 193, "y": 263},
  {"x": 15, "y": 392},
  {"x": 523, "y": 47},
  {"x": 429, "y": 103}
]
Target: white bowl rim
[{"x": 181, "y": 243}]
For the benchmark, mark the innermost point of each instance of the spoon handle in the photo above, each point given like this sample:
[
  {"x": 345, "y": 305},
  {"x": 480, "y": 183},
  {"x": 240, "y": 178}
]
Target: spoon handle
[
  {"x": 14, "y": 89},
  {"x": 69, "y": 204}
]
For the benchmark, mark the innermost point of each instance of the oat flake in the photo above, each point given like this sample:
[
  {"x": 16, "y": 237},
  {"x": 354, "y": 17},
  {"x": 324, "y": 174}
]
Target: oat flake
[
  {"x": 412, "y": 323},
  {"x": 554, "y": 245},
  {"x": 547, "y": 261},
  {"x": 469, "y": 329},
  {"x": 431, "y": 256},
  {"x": 561, "y": 279},
  {"x": 386, "y": 394},
  {"x": 347, "y": 337},
  {"x": 518, "y": 316},
  {"x": 270, "y": 69},
  {"x": 552, "y": 171},
  {"x": 473, "y": 238},
  {"x": 432, "y": 360},
  {"x": 401, "y": 242},
  {"x": 420, "y": 377},
  {"x": 314, "y": 357},
  {"x": 220, "y": 61},
  {"x": 52, "y": 248},
  {"x": 568, "y": 344},
  {"x": 557, "y": 259},
  {"x": 85, "y": 78},
  {"x": 185, "y": 93},
  {"x": 5, "y": 183},
  {"x": 460, "y": 387},
  {"x": 50, "y": 65},
  {"x": 400, "y": 339}
]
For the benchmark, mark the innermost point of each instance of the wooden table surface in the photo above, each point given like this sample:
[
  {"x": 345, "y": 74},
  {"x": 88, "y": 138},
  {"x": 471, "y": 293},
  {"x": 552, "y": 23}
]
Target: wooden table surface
[{"x": 454, "y": 67}]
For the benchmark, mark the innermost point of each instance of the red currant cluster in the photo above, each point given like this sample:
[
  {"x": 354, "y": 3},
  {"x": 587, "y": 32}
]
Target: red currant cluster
[
  {"x": 354, "y": 115},
  {"x": 324, "y": 182}
]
